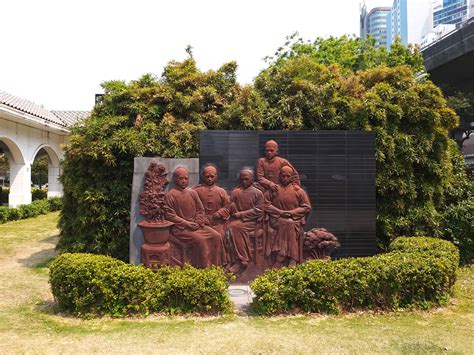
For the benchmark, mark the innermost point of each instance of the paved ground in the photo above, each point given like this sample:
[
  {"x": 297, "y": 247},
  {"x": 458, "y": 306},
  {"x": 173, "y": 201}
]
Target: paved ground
[{"x": 241, "y": 295}]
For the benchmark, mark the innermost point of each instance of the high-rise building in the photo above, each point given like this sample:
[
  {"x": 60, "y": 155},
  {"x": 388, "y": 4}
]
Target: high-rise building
[
  {"x": 410, "y": 20},
  {"x": 376, "y": 24},
  {"x": 451, "y": 11}
]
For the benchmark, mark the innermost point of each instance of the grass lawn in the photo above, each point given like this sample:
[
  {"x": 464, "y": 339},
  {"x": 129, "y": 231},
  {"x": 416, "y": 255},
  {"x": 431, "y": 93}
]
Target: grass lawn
[{"x": 30, "y": 324}]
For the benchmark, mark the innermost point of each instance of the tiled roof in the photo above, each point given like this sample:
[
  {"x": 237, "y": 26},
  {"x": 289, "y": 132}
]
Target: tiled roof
[
  {"x": 61, "y": 118},
  {"x": 71, "y": 117}
]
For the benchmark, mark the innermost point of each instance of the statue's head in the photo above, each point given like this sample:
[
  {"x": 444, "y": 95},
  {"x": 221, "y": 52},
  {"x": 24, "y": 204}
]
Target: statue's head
[
  {"x": 181, "y": 177},
  {"x": 271, "y": 149},
  {"x": 209, "y": 174},
  {"x": 286, "y": 175},
  {"x": 246, "y": 178}
]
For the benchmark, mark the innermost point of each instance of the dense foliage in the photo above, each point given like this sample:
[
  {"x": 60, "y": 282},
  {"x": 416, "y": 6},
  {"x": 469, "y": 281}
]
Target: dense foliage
[
  {"x": 336, "y": 83},
  {"x": 418, "y": 272},
  {"x": 147, "y": 117},
  {"x": 86, "y": 284},
  {"x": 32, "y": 210}
]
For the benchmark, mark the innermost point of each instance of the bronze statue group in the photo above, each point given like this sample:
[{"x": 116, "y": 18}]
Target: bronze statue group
[{"x": 267, "y": 208}]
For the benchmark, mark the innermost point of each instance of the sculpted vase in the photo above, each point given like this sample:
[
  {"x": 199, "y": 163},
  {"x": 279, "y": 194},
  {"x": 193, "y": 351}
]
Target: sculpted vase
[{"x": 156, "y": 247}]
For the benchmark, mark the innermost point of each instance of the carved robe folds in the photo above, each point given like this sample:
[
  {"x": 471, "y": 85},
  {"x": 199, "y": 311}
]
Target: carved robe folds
[
  {"x": 247, "y": 209},
  {"x": 184, "y": 206},
  {"x": 287, "y": 210}
]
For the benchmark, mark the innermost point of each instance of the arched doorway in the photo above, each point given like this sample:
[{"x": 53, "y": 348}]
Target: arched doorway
[
  {"x": 19, "y": 173},
  {"x": 47, "y": 177}
]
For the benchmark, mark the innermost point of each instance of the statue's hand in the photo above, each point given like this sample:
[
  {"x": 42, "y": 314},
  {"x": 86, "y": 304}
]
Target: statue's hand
[
  {"x": 274, "y": 187},
  {"x": 286, "y": 214},
  {"x": 193, "y": 226}
]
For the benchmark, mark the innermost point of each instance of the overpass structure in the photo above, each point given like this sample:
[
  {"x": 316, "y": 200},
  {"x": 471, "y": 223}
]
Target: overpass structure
[
  {"x": 25, "y": 130},
  {"x": 450, "y": 60},
  {"x": 450, "y": 63}
]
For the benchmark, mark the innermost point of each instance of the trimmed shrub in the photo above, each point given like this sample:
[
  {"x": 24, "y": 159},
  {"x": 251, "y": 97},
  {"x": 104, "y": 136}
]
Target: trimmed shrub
[
  {"x": 418, "y": 272},
  {"x": 86, "y": 284},
  {"x": 39, "y": 194},
  {"x": 4, "y": 214},
  {"x": 4, "y": 192},
  {"x": 55, "y": 203},
  {"x": 32, "y": 210},
  {"x": 458, "y": 222}
]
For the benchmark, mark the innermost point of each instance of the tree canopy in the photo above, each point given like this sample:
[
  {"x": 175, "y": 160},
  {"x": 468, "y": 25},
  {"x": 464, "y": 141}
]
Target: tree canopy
[{"x": 335, "y": 83}]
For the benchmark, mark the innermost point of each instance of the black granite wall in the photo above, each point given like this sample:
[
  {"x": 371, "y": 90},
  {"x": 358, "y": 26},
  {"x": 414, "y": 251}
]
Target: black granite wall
[{"x": 337, "y": 169}]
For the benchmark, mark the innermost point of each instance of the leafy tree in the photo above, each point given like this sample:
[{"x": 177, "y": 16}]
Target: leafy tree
[
  {"x": 346, "y": 83},
  {"x": 147, "y": 117},
  {"x": 337, "y": 83},
  {"x": 39, "y": 170},
  {"x": 463, "y": 104},
  {"x": 4, "y": 165}
]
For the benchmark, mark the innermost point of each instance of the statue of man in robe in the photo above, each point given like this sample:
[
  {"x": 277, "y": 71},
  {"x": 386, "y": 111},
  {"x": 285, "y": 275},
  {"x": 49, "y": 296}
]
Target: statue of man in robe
[
  {"x": 287, "y": 208},
  {"x": 214, "y": 199},
  {"x": 185, "y": 210},
  {"x": 246, "y": 210},
  {"x": 268, "y": 168}
]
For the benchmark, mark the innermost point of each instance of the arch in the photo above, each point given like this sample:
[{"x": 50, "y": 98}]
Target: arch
[
  {"x": 52, "y": 154},
  {"x": 15, "y": 152}
]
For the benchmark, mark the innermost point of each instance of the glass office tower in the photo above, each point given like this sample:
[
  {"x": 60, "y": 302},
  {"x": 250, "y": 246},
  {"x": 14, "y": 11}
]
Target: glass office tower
[
  {"x": 450, "y": 12},
  {"x": 376, "y": 24}
]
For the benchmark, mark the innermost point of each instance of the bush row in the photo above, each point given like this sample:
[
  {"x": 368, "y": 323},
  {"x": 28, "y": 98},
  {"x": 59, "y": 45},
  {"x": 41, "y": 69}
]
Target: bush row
[
  {"x": 86, "y": 284},
  {"x": 417, "y": 272},
  {"x": 32, "y": 210},
  {"x": 36, "y": 194}
]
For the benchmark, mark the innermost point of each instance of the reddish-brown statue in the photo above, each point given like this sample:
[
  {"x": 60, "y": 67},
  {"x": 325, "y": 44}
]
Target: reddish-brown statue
[
  {"x": 262, "y": 223},
  {"x": 287, "y": 208},
  {"x": 185, "y": 210},
  {"x": 268, "y": 168},
  {"x": 246, "y": 212},
  {"x": 214, "y": 199}
]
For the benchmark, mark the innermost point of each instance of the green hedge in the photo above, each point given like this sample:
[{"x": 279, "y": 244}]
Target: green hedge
[
  {"x": 32, "y": 210},
  {"x": 417, "y": 272},
  {"x": 39, "y": 194},
  {"x": 4, "y": 192},
  {"x": 86, "y": 284},
  {"x": 36, "y": 194}
]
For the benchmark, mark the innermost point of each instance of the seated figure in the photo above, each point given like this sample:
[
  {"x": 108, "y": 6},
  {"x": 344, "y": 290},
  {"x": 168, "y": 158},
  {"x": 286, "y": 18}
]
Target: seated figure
[
  {"x": 246, "y": 210},
  {"x": 185, "y": 210},
  {"x": 214, "y": 199},
  {"x": 287, "y": 208}
]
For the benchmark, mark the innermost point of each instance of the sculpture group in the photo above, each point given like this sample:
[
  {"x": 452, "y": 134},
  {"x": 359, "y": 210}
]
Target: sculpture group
[{"x": 260, "y": 225}]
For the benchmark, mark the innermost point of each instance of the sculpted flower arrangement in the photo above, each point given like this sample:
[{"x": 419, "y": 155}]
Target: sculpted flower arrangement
[
  {"x": 152, "y": 197},
  {"x": 319, "y": 243}
]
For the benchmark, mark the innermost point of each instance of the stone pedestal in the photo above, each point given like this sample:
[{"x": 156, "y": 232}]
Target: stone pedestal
[{"x": 154, "y": 255}]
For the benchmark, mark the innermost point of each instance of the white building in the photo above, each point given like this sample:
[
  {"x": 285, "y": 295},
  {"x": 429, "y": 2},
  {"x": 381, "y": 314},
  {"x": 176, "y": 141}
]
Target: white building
[{"x": 25, "y": 130}]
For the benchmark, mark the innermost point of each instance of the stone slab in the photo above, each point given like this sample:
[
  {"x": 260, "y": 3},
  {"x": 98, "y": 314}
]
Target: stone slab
[{"x": 241, "y": 295}]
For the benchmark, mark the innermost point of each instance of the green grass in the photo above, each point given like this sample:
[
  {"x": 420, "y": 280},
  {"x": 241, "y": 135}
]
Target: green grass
[{"x": 30, "y": 323}]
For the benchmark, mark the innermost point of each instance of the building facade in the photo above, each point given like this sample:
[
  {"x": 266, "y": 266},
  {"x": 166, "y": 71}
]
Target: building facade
[
  {"x": 410, "y": 20},
  {"x": 452, "y": 12},
  {"x": 376, "y": 23}
]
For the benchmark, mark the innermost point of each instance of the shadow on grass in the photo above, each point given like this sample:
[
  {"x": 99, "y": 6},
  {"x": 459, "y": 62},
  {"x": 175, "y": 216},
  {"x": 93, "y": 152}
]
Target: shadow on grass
[
  {"x": 40, "y": 259},
  {"x": 421, "y": 348}
]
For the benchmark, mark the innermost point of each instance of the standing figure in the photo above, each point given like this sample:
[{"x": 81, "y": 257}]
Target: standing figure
[
  {"x": 287, "y": 208},
  {"x": 214, "y": 199},
  {"x": 185, "y": 210},
  {"x": 268, "y": 168},
  {"x": 246, "y": 210}
]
